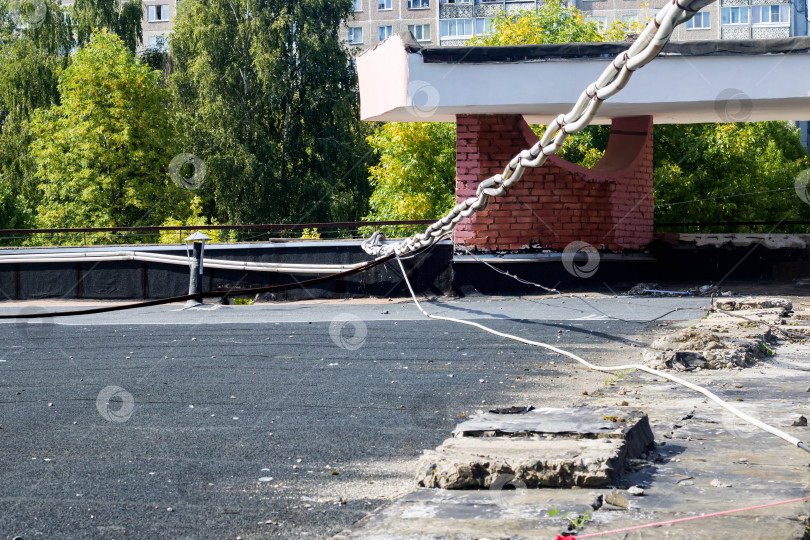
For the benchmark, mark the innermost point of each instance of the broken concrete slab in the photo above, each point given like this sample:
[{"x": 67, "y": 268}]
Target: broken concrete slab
[
  {"x": 782, "y": 305},
  {"x": 677, "y": 478},
  {"x": 630, "y": 425},
  {"x": 473, "y": 462},
  {"x": 575, "y": 446}
]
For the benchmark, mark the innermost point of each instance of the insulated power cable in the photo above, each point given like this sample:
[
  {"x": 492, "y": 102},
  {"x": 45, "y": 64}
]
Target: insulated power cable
[
  {"x": 209, "y": 294},
  {"x": 610, "y": 369}
]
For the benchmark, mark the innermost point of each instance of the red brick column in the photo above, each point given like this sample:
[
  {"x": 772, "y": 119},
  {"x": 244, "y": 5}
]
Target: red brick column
[{"x": 610, "y": 204}]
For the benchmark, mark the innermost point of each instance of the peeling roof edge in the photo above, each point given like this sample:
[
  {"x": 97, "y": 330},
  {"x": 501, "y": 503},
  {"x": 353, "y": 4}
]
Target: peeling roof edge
[
  {"x": 575, "y": 51},
  {"x": 407, "y": 39}
]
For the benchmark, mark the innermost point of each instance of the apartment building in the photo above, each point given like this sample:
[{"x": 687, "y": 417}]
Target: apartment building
[
  {"x": 453, "y": 22},
  {"x": 157, "y": 23},
  {"x": 459, "y": 21},
  {"x": 375, "y": 20},
  {"x": 158, "y": 20},
  {"x": 726, "y": 19}
]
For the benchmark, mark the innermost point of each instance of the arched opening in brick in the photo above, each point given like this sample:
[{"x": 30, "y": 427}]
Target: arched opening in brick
[{"x": 610, "y": 204}]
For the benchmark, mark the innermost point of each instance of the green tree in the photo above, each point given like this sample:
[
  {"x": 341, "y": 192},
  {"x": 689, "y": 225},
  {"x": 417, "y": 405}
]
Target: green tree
[
  {"x": 728, "y": 172},
  {"x": 267, "y": 98},
  {"x": 120, "y": 16},
  {"x": 415, "y": 177},
  {"x": 554, "y": 22},
  {"x": 35, "y": 40},
  {"x": 13, "y": 214},
  {"x": 195, "y": 221},
  {"x": 102, "y": 154}
]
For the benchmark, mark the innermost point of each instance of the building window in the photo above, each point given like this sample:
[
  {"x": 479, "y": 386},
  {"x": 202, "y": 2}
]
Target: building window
[
  {"x": 383, "y": 5},
  {"x": 455, "y": 1},
  {"x": 157, "y": 13},
  {"x": 456, "y": 28},
  {"x": 770, "y": 14},
  {"x": 420, "y": 31},
  {"x": 384, "y": 32},
  {"x": 418, "y": 4},
  {"x": 157, "y": 43},
  {"x": 701, "y": 21},
  {"x": 629, "y": 19},
  {"x": 483, "y": 26},
  {"x": 358, "y": 5},
  {"x": 735, "y": 15},
  {"x": 355, "y": 36}
]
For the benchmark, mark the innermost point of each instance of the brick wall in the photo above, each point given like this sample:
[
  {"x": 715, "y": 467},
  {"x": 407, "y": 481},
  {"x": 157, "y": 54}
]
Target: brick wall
[{"x": 554, "y": 205}]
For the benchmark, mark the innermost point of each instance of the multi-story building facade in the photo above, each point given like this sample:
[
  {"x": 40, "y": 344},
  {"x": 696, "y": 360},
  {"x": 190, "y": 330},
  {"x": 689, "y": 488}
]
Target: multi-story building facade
[
  {"x": 375, "y": 20},
  {"x": 726, "y": 19},
  {"x": 453, "y": 22},
  {"x": 158, "y": 20},
  {"x": 461, "y": 20}
]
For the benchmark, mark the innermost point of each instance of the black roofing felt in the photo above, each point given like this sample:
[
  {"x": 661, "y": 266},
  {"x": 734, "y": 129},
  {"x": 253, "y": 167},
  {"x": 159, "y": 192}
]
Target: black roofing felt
[{"x": 529, "y": 53}]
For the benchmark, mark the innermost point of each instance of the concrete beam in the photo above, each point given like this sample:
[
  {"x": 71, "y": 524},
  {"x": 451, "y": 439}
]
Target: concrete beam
[{"x": 400, "y": 82}]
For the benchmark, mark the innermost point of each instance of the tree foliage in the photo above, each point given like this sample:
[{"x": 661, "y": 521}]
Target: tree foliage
[
  {"x": 102, "y": 154},
  {"x": 554, "y": 22},
  {"x": 267, "y": 97},
  {"x": 718, "y": 172},
  {"x": 195, "y": 221},
  {"x": 36, "y": 40},
  {"x": 123, "y": 17},
  {"x": 415, "y": 177},
  {"x": 13, "y": 214},
  {"x": 31, "y": 57}
]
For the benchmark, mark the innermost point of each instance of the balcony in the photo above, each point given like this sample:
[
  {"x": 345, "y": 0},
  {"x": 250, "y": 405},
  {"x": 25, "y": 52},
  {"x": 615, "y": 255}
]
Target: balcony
[{"x": 469, "y": 10}]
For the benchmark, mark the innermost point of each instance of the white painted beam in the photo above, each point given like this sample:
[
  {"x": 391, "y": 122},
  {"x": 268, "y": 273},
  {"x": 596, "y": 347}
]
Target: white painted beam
[{"x": 399, "y": 86}]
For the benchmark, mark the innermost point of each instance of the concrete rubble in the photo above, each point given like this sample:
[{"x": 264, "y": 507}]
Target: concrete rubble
[
  {"x": 541, "y": 448},
  {"x": 730, "y": 336}
]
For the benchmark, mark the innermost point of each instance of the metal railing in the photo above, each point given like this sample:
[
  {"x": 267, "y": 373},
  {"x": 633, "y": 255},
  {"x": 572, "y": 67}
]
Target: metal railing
[
  {"x": 334, "y": 230},
  {"x": 236, "y": 233},
  {"x": 720, "y": 227}
]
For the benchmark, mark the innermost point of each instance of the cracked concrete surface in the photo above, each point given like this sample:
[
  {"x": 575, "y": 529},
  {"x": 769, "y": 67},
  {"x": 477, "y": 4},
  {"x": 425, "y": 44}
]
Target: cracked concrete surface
[
  {"x": 704, "y": 460},
  {"x": 730, "y": 336}
]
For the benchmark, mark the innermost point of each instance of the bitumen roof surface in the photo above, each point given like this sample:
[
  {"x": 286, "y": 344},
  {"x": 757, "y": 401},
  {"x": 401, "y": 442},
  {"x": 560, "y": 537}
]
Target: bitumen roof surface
[{"x": 280, "y": 420}]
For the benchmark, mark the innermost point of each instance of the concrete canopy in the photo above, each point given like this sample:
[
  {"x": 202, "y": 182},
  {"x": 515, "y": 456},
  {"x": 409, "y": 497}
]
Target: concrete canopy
[{"x": 711, "y": 81}]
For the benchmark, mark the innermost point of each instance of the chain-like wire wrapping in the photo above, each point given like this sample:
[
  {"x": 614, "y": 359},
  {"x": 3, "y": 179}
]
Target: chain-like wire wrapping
[{"x": 643, "y": 50}]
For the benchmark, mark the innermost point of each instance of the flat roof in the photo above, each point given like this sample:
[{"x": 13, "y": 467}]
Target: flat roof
[{"x": 577, "y": 51}]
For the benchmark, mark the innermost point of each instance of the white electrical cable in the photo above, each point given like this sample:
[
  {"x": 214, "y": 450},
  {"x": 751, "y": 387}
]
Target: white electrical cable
[
  {"x": 735, "y": 411},
  {"x": 99, "y": 256}
]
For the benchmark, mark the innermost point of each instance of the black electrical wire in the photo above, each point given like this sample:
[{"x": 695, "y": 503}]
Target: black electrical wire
[
  {"x": 572, "y": 295},
  {"x": 209, "y": 294}
]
